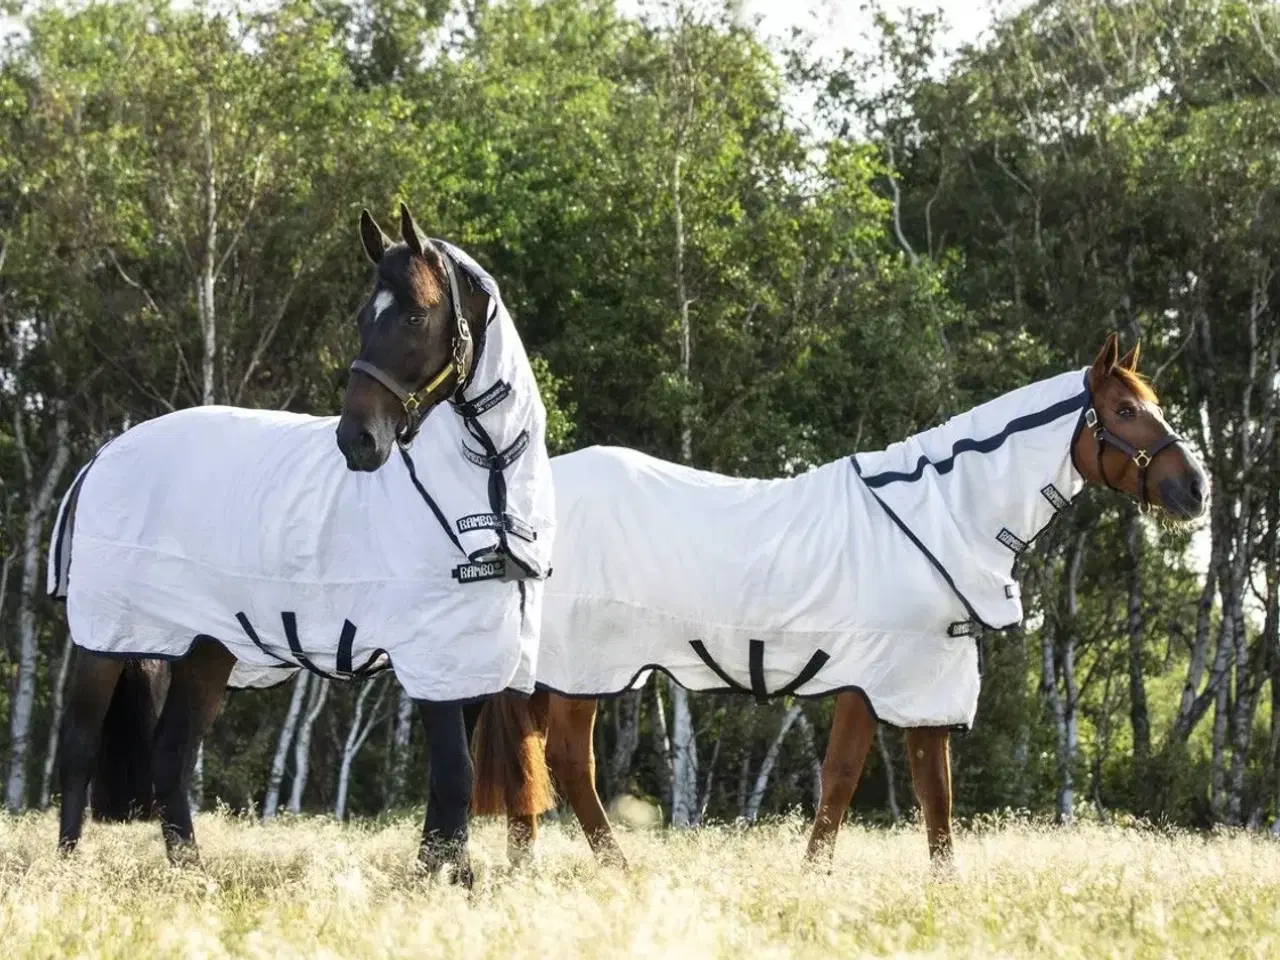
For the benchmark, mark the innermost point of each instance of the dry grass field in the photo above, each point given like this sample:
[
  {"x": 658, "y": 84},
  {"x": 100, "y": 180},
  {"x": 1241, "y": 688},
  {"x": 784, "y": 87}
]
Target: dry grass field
[{"x": 313, "y": 888}]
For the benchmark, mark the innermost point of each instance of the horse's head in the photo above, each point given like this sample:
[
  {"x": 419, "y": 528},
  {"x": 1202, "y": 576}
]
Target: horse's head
[
  {"x": 1128, "y": 446},
  {"x": 416, "y": 348}
]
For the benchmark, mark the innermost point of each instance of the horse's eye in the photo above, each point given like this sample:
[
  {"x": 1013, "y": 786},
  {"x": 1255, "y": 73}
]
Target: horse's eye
[
  {"x": 1127, "y": 412},
  {"x": 415, "y": 319}
]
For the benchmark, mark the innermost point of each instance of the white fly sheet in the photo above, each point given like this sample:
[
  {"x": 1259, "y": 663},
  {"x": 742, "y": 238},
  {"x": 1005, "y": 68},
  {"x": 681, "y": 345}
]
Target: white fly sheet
[
  {"x": 247, "y": 526},
  {"x": 872, "y": 572}
]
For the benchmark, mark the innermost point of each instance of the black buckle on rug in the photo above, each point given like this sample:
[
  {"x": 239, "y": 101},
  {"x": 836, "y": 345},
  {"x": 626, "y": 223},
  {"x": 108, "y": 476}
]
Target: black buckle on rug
[{"x": 755, "y": 664}]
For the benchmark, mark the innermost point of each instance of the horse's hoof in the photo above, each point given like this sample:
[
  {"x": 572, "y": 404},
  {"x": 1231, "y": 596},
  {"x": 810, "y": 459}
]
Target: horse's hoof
[
  {"x": 184, "y": 855},
  {"x": 462, "y": 876},
  {"x": 67, "y": 847}
]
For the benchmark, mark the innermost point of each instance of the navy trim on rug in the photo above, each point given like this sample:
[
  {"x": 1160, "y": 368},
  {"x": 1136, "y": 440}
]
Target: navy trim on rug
[
  {"x": 658, "y": 668},
  {"x": 937, "y": 564},
  {"x": 444, "y": 524},
  {"x": 990, "y": 444}
]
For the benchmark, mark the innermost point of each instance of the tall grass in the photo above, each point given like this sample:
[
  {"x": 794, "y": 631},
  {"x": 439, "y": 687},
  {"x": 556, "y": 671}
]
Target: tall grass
[{"x": 313, "y": 888}]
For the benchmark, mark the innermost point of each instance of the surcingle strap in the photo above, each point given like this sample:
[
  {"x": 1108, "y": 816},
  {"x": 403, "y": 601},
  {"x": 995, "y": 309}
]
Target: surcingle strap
[
  {"x": 755, "y": 667},
  {"x": 344, "y": 669}
]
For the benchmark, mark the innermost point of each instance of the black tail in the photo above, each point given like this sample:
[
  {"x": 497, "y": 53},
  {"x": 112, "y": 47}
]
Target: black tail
[{"x": 121, "y": 789}]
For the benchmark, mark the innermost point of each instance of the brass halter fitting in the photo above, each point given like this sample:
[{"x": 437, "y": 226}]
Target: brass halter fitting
[{"x": 1141, "y": 458}]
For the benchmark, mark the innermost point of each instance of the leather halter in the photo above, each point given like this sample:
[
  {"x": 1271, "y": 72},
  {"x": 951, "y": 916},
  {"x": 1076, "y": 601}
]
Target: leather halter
[
  {"x": 1142, "y": 458},
  {"x": 418, "y": 403}
]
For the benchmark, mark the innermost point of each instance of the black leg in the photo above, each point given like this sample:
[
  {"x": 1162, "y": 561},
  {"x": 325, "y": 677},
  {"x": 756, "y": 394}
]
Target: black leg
[
  {"x": 93, "y": 680},
  {"x": 196, "y": 687},
  {"x": 444, "y": 834}
]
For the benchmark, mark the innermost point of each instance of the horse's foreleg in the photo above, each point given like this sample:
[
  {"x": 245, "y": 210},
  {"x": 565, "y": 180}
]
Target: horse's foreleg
[
  {"x": 445, "y": 831},
  {"x": 93, "y": 680},
  {"x": 852, "y": 730},
  {"x": 571, "y": 756},
  {"x": 196, "y": 685},
  {"x": 929, "y": 749}
]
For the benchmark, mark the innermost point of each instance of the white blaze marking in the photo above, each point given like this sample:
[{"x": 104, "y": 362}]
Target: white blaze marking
[{"x": 383, "y": 300}]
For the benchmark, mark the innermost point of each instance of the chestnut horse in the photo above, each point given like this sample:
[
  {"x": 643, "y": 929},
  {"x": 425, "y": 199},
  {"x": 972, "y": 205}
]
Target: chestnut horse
[{"x": 1121, "y": 442}]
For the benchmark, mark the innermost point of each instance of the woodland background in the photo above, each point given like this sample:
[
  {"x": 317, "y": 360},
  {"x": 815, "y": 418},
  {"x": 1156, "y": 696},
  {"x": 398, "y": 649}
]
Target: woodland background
[{"x": 708, "y": 272}]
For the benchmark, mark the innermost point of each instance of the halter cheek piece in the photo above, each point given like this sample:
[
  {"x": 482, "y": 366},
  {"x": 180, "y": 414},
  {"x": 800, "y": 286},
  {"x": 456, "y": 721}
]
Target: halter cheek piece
[
  {"x": 418, "y": 403},
  {"x": 1142, "y": 458}
]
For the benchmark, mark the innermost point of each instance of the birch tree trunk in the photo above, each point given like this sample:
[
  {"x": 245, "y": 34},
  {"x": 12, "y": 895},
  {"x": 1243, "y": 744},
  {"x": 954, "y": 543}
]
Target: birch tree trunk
[
  {"x": 626, "y": 723},
  {"x": 206, "y": 310},
  {"x": 41, "y": 501},
  {"x": 684, "y": 761},
  {"x": 400, "y": 744},
  {"x": 815, "y": 761},
  {"x": 356, "y": 737},
  {"x": 684, "y": 744},
  {"x": 271, "y": 802},
  {"x": 1022, "y": 733},
  {"x": 661, "y": 738},
  {"x": 1053, "y": 703},
  {"x": 302, "y": 749},
  {"x": 891, "y": 788},
  {"x": 205, "y": 304},
  {"x": 1071, "y": 691},
  {"x": 769, "y": 762},
  {"x": 51, "y": 746}
]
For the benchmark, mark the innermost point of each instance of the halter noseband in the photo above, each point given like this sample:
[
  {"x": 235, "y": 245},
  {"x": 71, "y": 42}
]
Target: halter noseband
[
  {"x": 1142, "y": 458},
  {"x": 418, "y": 403}
]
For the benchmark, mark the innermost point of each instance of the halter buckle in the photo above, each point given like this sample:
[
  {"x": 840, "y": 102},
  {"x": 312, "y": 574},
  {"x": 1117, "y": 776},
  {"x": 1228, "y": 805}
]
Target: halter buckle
[
  {"x": 1142, "y": 459},
  {"x": 1091, "y": 419},
  {"x": 411, "y": 404}
]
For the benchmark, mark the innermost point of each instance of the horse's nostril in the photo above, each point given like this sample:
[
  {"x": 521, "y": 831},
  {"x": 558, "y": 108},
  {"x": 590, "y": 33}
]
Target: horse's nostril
[
  {"x": 365, "y": 442},
  {"x": 1197, "y": 489}
]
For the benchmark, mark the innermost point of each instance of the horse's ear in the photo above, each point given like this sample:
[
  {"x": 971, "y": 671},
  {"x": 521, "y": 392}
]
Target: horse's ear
[
  {"x": 1130, "y": 360},
  {"x": 418, "y": 243},
  {"x": 371, "y": 235},
  {"x": 1105, "y": 364}
]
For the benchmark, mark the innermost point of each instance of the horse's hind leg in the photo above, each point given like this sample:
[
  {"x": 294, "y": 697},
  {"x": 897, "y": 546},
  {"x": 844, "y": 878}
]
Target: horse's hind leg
[
  {"x": 196, "y": 685},
  {"x": 852, "y": 730},
  {"x": 929, "y": 749},
  {"x": 93, "y": 679},
  {"x": 452, "y": 782},
  {"x": 571, "y": 755}
]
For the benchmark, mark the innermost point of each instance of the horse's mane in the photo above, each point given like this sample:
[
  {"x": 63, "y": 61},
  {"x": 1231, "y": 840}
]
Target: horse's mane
[{"x": 1139, "y": 385}]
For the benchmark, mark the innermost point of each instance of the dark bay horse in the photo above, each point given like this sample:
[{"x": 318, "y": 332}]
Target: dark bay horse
[
  {"x": 131, "y": 726},
  {"x": 1121, "y": 442}
]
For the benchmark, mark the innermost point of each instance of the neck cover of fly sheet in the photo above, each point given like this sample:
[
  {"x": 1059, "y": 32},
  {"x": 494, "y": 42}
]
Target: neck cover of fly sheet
[
  {"x": 873, "y": 573},
  {"x": 246, "y": 526}
]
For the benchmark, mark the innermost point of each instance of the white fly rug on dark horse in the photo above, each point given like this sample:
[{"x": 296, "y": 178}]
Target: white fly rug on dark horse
[
  {"x": 247, "y": 526},
  {"x": 872, "y": 572}
]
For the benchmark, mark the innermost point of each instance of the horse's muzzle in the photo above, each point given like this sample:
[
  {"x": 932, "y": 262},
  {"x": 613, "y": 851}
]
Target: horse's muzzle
[{"x": 359, "y": 446}]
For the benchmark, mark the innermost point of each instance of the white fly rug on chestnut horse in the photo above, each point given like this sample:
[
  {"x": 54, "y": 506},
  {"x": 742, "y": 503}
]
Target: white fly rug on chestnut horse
[
  {"x": 871, "y": 573},
  {"x": 247, "y": 526}
]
